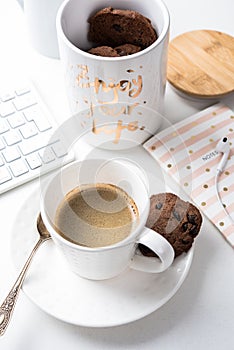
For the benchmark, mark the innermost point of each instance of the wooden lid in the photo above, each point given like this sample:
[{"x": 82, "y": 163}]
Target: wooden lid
[{"x": 201, "y": 63}]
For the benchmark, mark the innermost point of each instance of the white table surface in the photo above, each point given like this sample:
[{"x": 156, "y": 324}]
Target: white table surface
[{"x": 201, "y": 313}]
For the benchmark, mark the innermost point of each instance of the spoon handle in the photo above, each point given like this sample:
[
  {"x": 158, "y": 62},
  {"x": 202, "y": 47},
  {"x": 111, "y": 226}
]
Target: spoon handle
[{"x": 8, "y": 305}]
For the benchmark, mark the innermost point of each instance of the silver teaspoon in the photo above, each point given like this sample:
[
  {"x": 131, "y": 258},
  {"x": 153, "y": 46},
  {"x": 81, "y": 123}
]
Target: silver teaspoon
[{"x": 8, "y": 305}]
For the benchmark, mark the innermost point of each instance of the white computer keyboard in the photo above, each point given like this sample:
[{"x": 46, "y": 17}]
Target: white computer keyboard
[{"x": 30, "y": 143}]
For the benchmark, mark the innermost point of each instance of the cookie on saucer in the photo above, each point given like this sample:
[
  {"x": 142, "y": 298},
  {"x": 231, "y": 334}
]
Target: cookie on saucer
[{"x": 176, "y": 220}]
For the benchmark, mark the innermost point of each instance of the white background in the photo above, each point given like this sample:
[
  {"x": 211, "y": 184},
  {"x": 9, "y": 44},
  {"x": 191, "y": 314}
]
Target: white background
[{"x": 201, "y": 314}]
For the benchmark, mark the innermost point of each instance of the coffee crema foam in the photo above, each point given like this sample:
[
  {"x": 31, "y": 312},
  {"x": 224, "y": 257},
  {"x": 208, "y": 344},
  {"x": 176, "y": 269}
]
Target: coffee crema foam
[{"x": 96, "y": 215}]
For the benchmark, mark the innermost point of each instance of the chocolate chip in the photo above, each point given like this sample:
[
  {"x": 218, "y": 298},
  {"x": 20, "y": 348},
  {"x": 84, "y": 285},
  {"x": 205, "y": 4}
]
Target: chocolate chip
[
  {"x": 120, "y": 52},
  {"x": 192, "y": 219},
  {"x": 185, "y": 241},
  {"x": 158, "y": 206},
  {"x": 176, "y": 215},
  {"x": 185, "y": 226},
  {"x": 117, "y": 28},
  {"x": 193, "y": 231}
]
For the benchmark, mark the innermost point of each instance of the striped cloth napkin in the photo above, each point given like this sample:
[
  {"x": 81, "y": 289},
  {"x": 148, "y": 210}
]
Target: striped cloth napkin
[{"x": 186, "y": 151}]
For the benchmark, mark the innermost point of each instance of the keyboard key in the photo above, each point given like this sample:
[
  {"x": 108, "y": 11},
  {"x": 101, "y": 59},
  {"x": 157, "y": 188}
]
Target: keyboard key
[
  {"x": 7, "y": 95},
  {"x": 36, "y": 143},
  {"x": 21, "y": 90},
  {"x": 6, "y": 109},
  {"x": 42, "y": 123},
  {"x": 28, "y": 130},
  {"x": 32, "y": 112},
  {"x": 36, "y": 114},
  {"x": 15, "y": 120},
  {"x": 24, "y": 101},
  {"x": 1, "y": 162},
  {"x": 59, "y": 150},
  {"x": 4, "y": 175},
  {"x": 10, "y": 154},
  {"x": 33, "y": 161},
  {"x": 3, "y": 126},
  {"x": 47, "y": 155},
  {"x": 19, "y": 168},
  {"x": 12, "y": 137}
]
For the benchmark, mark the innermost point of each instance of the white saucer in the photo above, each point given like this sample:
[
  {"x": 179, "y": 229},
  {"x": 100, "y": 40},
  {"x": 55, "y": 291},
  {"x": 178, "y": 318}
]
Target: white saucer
[{"x": 66, "y": 296}]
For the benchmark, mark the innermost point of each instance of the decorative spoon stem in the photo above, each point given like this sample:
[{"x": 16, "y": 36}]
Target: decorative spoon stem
[{"x": 8, "y": 305}]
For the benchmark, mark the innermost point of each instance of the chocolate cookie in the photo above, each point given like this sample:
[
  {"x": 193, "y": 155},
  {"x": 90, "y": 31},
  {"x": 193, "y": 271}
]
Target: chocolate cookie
[
  {"x": 176, "y": 220},
  {"x": 113, "y": 27},
  {"x": 122, "y": 50},
  {"x": 127, "y": 49},
  {"x": 105, "y": 51}
]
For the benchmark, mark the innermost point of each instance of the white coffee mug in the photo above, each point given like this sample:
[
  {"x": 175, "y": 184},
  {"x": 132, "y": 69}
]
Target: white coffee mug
[
  {"x": 120, "y": 86},
  {"x": 108, "y": 261}
]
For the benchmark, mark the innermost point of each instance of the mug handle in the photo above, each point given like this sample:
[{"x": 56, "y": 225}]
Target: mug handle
[{"x": 160, "y": 246}]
